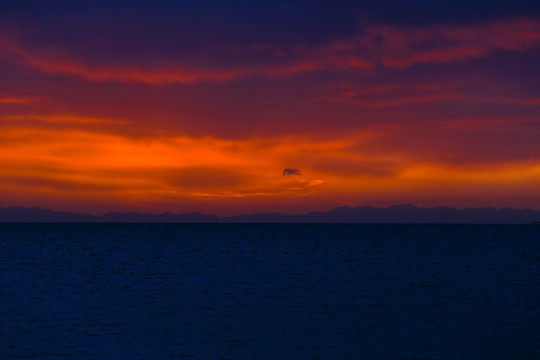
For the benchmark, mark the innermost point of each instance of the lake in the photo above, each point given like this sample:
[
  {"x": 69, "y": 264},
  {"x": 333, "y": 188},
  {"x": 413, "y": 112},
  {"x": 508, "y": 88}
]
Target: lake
[{"x": 269, "y": 291}]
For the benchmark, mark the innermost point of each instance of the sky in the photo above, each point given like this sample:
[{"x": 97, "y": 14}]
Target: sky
[{"x": 230, "y": 107}]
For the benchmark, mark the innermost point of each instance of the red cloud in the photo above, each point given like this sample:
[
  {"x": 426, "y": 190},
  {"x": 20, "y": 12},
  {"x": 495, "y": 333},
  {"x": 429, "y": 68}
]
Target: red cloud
[
  {"x": 406, "y": 47},
  {"x": 17, "y": 100},
  {"x": 386, "y": 45}
]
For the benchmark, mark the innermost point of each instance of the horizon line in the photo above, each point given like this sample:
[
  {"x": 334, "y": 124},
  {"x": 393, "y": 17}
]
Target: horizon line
[
  {"x": 395, "y": 214},
  {"x": 169, "y": 212}
]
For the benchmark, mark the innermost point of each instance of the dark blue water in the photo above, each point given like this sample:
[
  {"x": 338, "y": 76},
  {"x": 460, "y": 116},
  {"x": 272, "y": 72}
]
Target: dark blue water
[{"x": 234, "y": 291}]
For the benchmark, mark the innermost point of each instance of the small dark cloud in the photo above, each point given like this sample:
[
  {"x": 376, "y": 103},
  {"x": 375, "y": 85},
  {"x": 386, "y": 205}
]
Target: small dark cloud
[{"x": 291, "y": 171}]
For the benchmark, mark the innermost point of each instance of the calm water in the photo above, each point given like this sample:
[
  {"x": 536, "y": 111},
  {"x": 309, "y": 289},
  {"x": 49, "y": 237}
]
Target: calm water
[{"x": 230, "y": 291}]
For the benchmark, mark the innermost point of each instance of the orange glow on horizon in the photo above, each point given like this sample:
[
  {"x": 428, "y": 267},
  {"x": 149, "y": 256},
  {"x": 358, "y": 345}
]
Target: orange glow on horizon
[{"x": 69, "y": 165}]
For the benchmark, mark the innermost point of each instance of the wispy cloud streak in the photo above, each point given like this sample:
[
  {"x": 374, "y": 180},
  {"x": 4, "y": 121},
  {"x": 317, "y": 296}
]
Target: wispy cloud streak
[
  {"x": 17, "y": 100},
  {"x": 386, "y": 46}
]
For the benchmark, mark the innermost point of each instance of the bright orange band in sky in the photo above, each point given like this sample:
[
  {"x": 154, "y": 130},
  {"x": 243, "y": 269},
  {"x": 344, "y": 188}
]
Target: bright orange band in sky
[{"x": 431, "y": 115}]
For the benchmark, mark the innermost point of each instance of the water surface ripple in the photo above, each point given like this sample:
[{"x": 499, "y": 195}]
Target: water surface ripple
[{"x": 269, "y": 291}]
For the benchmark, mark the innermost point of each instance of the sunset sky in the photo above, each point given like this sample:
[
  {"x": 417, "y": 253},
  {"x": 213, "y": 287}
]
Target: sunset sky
[{"x": 200, "y": 105}]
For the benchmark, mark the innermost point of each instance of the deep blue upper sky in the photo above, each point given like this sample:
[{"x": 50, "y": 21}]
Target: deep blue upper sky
[
  {"x": 241, "y": 20},
  {"x": 388, "y": 10},
  {"x": 143, "y": 27}
]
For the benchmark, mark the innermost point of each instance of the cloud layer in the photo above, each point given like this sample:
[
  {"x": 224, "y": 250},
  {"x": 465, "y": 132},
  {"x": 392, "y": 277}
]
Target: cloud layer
[
  {"x": 387, "y": 46},
  {"x": 191, "y": 117}
]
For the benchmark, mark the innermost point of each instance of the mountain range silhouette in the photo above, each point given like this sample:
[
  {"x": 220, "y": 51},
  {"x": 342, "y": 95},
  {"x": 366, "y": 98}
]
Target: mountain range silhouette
[{"x": 404, "y": 213}]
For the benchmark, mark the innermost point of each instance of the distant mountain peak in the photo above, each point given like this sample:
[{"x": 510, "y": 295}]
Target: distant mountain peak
[
  {"x": 403, "y": 206},
  {"x": 403, "y": 213}
]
